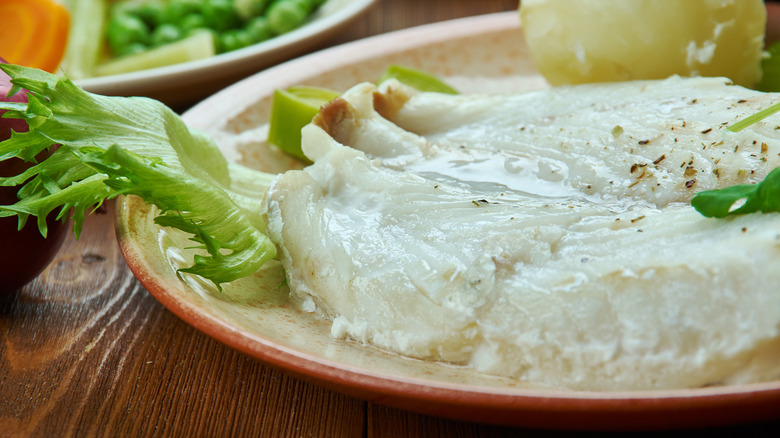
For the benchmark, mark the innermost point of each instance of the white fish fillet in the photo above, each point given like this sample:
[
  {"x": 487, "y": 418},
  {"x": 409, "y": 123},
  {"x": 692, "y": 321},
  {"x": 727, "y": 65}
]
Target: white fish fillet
[{"x": 544, "y": 236}]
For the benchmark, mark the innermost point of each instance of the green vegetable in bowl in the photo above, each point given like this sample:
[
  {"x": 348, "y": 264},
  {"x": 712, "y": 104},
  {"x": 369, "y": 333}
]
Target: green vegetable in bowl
[
  {"x": 220, "y": 15},
  {"x": 250, "y": 8},
  {"x": 85, "y": 39},
  {"x": 199, "y": 45},
  {"x": 286, "y": 15},
  {"x": 135, "y": 26},
  {"x": 125, "y": 30}
]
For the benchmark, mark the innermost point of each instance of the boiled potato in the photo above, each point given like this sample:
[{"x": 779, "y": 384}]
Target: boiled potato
[{"x": 577, "y": 41}]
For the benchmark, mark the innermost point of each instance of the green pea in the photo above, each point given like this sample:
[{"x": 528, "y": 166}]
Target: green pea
[
  {"x": 132, "y": 49},
  {"x": 191, "y": 21},
  {"x": 220, "y": 15},
  {"x": 286, "y": 15},
  {"x": 164, "y": 34},
  {"x": 233, "y": 39},
  {"x": 250, "y": 8},
  {"x": 124, "y": 30},
  {"x": 124, "y": 8},
  {"x": 259, "y": 29},
  {"x": 152, "y": 13},
  {"x": 175, "y": 10},
  {"x": 214, "y": 35}
]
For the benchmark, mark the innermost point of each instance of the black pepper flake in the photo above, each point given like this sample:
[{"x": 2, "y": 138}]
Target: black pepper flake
[
  {"x": 659, "y": 159},
  {"x": 744, "y": 229},
  {"x": 637, "y": 166},
  {"x": 644, "y": 142},
  {"x": 706, "y": 130},
  {"x": 690, "y": 183},
  {"x": 741, "y": 101}
]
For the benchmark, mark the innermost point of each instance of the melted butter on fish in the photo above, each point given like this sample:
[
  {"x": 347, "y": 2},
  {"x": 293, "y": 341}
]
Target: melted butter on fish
[{"x": 527, "y": 236}]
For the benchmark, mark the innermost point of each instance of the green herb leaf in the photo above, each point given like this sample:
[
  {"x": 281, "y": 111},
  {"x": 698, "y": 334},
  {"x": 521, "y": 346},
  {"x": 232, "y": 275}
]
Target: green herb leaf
[
  {"x": 770, "y": 69},
  {"x": 754, "y": 118},
  {"x": 741, "y": 199}
]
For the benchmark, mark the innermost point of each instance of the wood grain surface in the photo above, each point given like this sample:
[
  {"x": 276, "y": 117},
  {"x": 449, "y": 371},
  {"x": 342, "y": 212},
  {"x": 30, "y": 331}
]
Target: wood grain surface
[{"x": 86, "y": 351}]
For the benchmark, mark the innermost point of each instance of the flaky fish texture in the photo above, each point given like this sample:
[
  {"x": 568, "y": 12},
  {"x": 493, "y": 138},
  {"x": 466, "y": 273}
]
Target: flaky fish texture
[{"x": 544, "y": 236}]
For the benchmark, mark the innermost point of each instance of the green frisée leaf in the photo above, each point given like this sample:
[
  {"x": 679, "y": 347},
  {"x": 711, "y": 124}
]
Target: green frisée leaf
[
  {"x": 741, "y": 199},
  {"x": 192, "y": 205},
  {"x": 109, "y": 146}
]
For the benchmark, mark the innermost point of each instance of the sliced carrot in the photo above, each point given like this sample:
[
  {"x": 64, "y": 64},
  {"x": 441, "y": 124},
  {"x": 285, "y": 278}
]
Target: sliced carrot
[{"x": 33, "y": 33}]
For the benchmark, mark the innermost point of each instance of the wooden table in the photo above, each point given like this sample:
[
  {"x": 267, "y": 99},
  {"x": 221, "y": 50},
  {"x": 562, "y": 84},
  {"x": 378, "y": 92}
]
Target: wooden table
[{"x": 85, "y": 350}]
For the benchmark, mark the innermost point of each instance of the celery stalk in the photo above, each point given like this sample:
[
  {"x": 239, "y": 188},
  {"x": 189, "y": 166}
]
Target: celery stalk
[
  {"x": 85, "y": 40},
  {"x": 199, "y": 45}
]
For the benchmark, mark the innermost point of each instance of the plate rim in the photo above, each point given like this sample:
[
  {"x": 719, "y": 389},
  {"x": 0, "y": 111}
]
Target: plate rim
[{"x": 646, "y": 409}]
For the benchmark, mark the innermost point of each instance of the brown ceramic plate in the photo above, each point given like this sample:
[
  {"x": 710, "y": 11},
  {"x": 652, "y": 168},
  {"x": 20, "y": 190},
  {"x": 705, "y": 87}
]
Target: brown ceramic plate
[{"x": 255, "y": 316}]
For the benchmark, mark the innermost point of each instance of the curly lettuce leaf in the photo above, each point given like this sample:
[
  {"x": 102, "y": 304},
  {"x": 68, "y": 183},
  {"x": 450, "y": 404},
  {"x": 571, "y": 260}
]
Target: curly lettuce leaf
[{"x": 110, "y": 146}]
